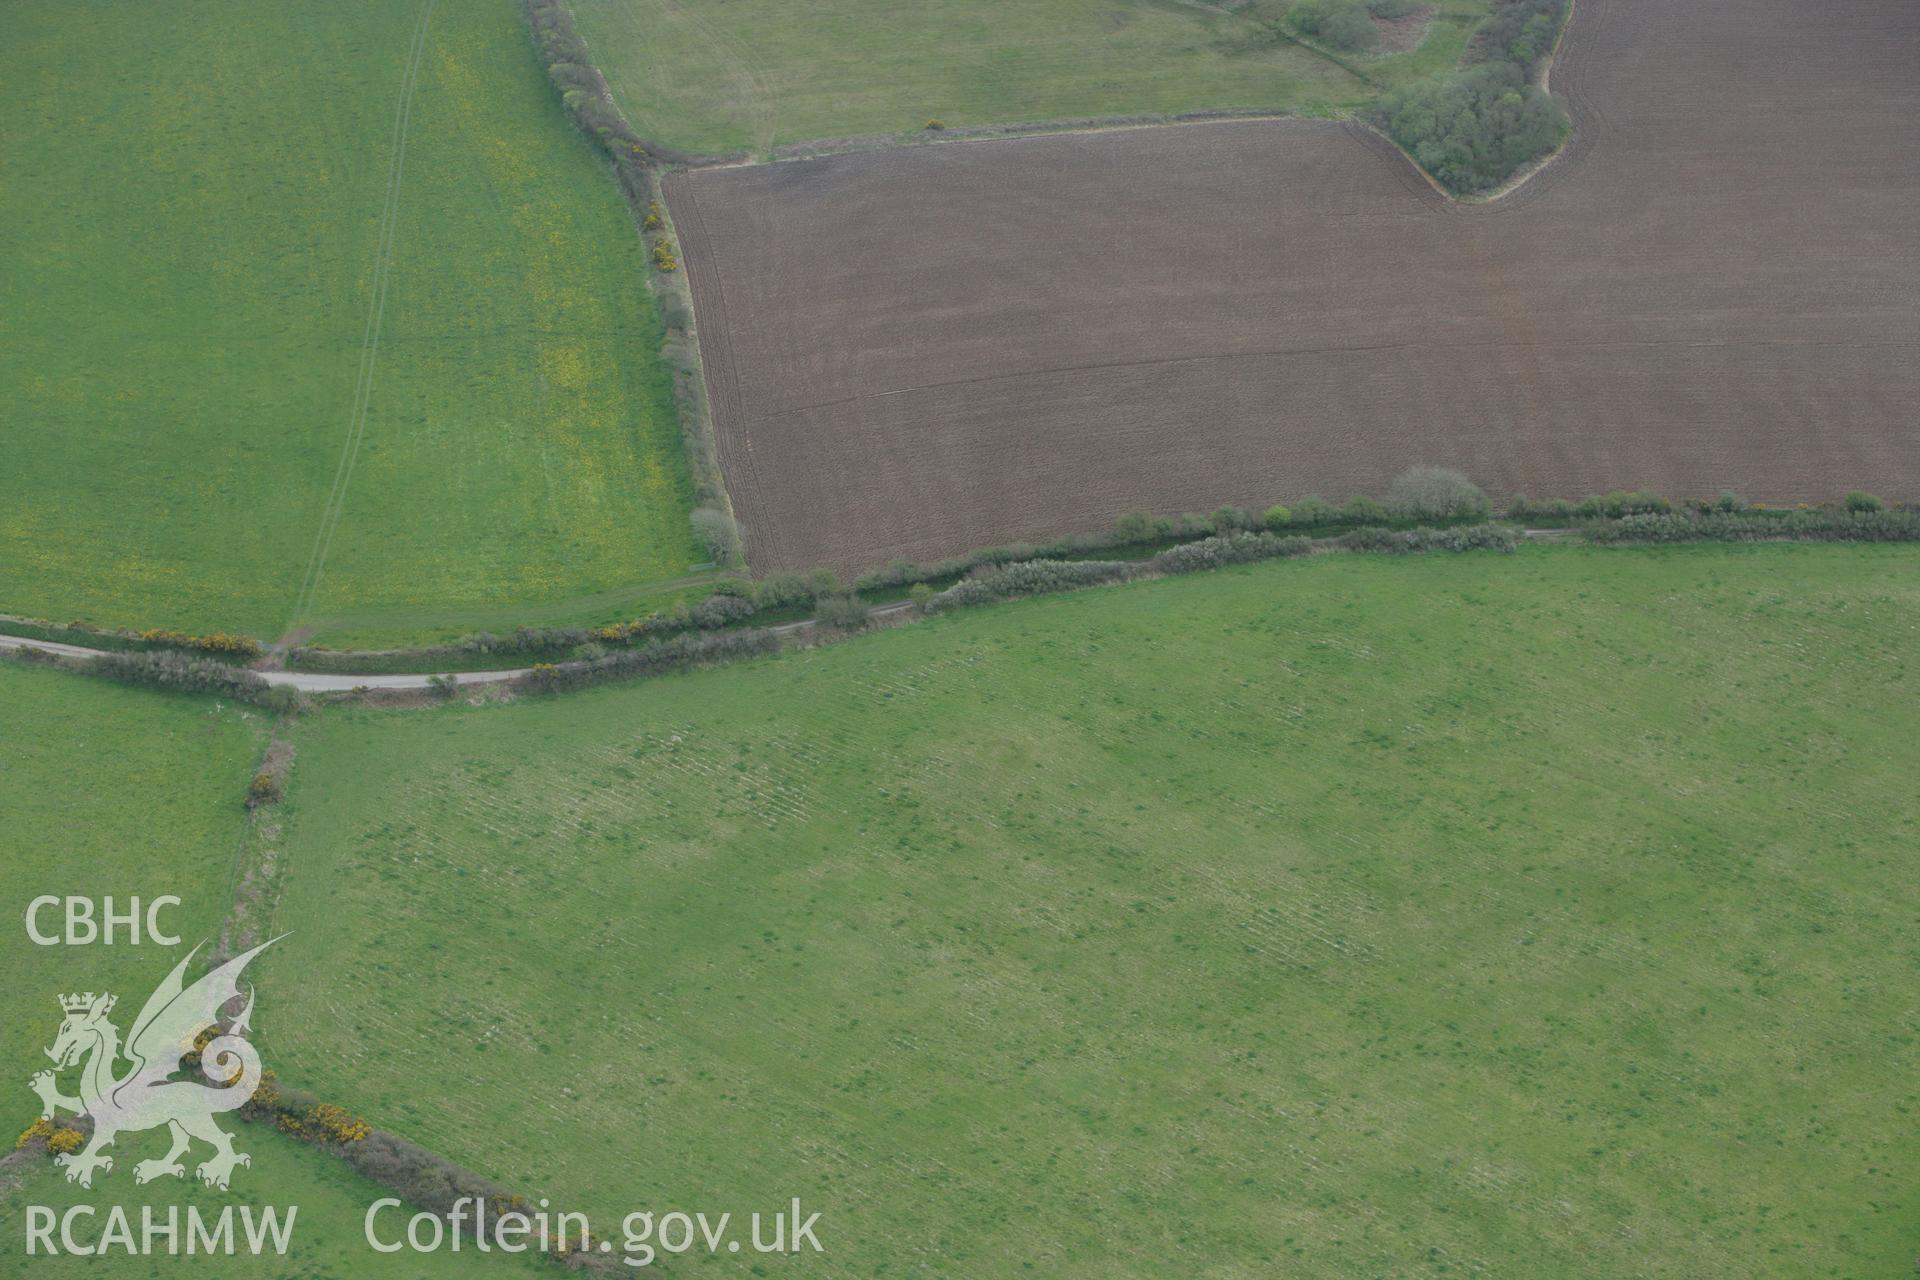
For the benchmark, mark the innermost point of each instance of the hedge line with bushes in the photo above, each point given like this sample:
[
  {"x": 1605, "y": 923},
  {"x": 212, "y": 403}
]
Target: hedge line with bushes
[
  {"x": 676, "y": 654},
  {"x": 1228, "y": 548},
  {"x": 1028, "y": 578},
  {"x": 732, "y": 602},
  {"x": 1345, "y": 25},
  {"x": 1038, "y": 577},
  {"x": 1479, "y": 537},
  {"x": 1419, "y": 498},
  {"x": 589, "y": 104},
  {"x": 1426, "y": 495},
  {"x": 217, "y": 644},
  {"x": 411, "y": 1172},
  {"x": 1816, "y": 525},
  {"x": 190, "y": 673}
]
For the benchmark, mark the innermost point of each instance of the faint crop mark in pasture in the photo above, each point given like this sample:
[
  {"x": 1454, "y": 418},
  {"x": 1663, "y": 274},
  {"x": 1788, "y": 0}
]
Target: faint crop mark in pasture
[
  {"x": 914, "y": 680},
  {"x": 370, "y": 337}
]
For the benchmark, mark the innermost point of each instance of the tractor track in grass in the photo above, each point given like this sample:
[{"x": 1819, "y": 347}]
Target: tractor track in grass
[{"x": 370, "y": 338}]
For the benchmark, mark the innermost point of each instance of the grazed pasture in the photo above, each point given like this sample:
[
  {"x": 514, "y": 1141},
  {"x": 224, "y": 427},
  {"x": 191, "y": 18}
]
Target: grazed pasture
[
  {"x": 922, "y": 350},
  {"x": 1550, "y": 914},
  {"x": 751, "y": 75},
  {"x": 107, "y": 790},
  {"x": 317, "y": 315}
]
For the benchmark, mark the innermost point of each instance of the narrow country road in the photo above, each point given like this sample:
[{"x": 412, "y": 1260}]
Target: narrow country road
[
  {"x": 317, "y": 682},
  {"x": 311, "y": 682}
]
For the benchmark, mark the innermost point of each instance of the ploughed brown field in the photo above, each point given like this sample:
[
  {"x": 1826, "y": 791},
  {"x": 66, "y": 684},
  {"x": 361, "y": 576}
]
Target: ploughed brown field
[{"x": 1717, "y": 285}]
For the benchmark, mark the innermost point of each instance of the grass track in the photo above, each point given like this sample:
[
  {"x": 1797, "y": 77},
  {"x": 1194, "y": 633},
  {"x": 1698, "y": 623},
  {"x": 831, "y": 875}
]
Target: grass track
[
  {"x": 1550, "y": 915},
  {"x": 205, "y": 212}
]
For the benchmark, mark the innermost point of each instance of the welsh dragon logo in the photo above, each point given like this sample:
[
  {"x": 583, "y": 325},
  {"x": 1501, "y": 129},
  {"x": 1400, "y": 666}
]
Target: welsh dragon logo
[{"x": 170, "y": 1026}]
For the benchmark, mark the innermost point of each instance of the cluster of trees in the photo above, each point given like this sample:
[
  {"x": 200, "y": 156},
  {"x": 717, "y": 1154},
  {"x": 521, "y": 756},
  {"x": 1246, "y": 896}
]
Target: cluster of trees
[
  {"x": 719, "y": 534},
  {"x": 1521, "y": 32},
  {"x": 1346, "y": 25},
  {"x": 1474, "y": 129}
]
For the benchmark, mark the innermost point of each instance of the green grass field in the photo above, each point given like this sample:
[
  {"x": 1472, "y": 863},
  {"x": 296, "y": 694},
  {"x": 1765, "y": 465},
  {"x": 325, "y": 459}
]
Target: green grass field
[
  {"x": 205, "y": 216},
  {"x": 108, "y": 790},
  {"x": 1550, "y": 914},
  {"x": 327, "y": 1243},
  {"x": 754, "y": 74}
]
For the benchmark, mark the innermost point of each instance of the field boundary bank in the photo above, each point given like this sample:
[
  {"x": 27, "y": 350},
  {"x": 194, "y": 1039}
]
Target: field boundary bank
[
  {"x": 415, "y": 1173},
  {"x": 587, "y": 100},
  {"x": 697, "y": 649},
  {"x": 424, "y": 1179},
  {"x": 827, "y": 148},
  {"x": 719, "y": 370},
  {"x": 748, "y": 605}
]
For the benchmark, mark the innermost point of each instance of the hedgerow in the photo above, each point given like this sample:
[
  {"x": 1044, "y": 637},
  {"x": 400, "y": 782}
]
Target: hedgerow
[
  {"x": 589, "y": 104},
  {"x": 185, "y": 672},
  {"x": 1028, "y": 578},
  {"x": 218, "y": 642},
  {"x": 1134, "y": 529},
  {"x": 678, "y": 653},
  {"x": 1543, "y": 511},
  {"x": 847, "y": 613},
  {"x": 1818, "y": 525},
  {"x": 1479, "y": 537},
  {"x": 1226, "y": 549},
  {"x": 1624, "y": 502},
  {"x": 584, "y": 92}
]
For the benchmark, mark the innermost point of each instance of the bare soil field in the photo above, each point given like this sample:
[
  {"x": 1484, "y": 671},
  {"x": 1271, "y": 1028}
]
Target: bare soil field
[{"x": 1717, "y": 285}]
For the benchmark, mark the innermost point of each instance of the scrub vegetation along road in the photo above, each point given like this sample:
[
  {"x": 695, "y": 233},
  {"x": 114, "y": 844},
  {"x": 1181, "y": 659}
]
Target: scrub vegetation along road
[
  {"x": 918, "y": 351},
  {"x": 1545, "y": 914},
  {"x": 262, "y": 370}
]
